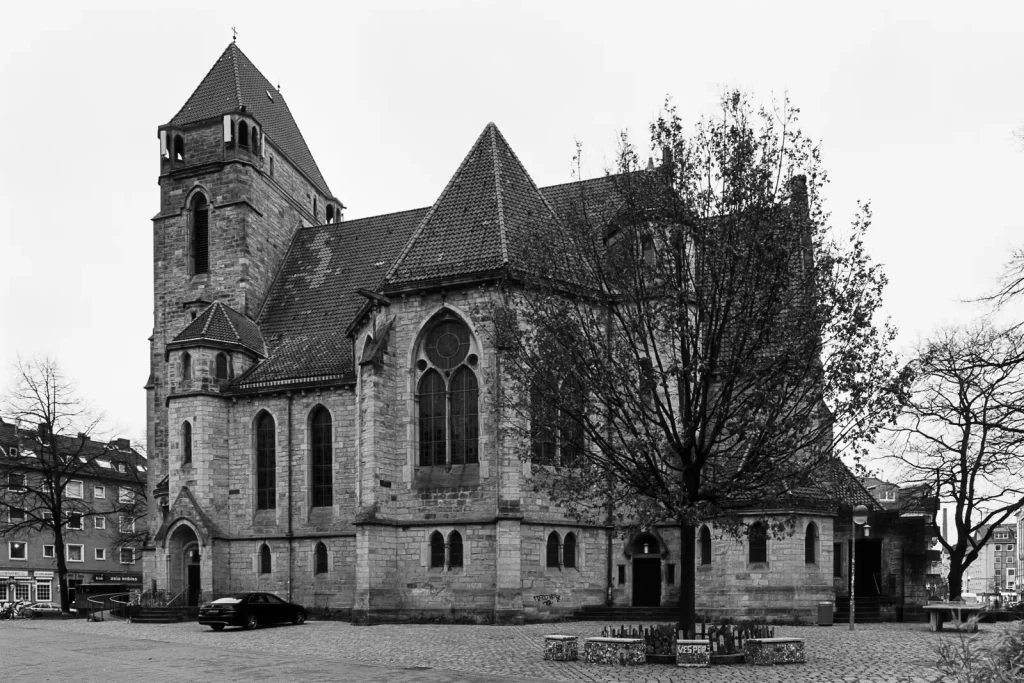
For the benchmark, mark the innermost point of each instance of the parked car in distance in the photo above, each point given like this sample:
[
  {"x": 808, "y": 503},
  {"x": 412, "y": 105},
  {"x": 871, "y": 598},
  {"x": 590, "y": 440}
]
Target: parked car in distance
[
  {"x": 250, "y": 610},
  {"x": 45, "y": 609}
]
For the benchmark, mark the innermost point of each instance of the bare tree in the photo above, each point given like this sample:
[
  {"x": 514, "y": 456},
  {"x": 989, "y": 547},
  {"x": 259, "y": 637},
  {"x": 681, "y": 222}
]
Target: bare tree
[
  {"x": 50, "y": 457},
  {"x": 961, "y": 434},
  {"x": 695, "y": 342}
]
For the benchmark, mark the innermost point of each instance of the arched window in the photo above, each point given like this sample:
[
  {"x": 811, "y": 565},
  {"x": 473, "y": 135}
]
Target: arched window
[
  {"x": 570, "y": 425},
  {"x": 330, "y": 213},
  {"x": 448, "y": 396},
  {"x": 199, "y": 244},
  {"x": 569, "y": 550},
  {"x": 432, "y": 419},
  {"x": 322, "y": 460},
  {"x": 455, "y": 549},
  {"x": 552, "y": 549},
  {"x": 758, "y": 541},
  {"x": 186, "y": 443},
  {"x": 266, "y": 466},
  {"x": 436, "y": 549},
  {"x": 186, "y": 366},
  {"x": 556, "y": 427},
  {"x": 265, "y": 559},
  {"x": 271, "y": 167},
  {"x": 320, "y": 559},
  {"x": 243, "y": 134},
  {"x": 222, "y": 366},
  {"x": 811, "y": 544},
  {"x": 254, "y": 134},
  {"x": 705, "y": 545},
  {"x": 179, "y": 148}
]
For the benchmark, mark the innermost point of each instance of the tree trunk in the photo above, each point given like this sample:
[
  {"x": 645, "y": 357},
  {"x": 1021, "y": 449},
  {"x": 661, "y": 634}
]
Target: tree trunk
[
  {"x": 956, "y": 579},
  {"x": 62, "y": 568},
  {"x": 687, "y": 578}
]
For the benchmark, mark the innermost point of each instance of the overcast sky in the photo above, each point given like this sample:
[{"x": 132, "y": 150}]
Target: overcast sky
[{"x": 915, "y": 105}]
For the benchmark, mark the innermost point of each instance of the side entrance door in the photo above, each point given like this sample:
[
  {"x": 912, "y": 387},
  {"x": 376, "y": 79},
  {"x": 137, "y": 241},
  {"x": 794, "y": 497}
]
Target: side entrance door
[
  {"x": 646, "y": 582},
  {"x": 193, "y": 585}
]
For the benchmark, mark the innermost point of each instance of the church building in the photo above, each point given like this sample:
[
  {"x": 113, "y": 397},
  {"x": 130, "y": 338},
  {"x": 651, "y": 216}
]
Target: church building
[{"x": 324, "y": 413}]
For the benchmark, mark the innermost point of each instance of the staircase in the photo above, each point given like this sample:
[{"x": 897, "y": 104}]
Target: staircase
[
  {"x": 868, "y": 610},
  {"x": 159, "y": 615},
  {"x": 619, "y": 614}
]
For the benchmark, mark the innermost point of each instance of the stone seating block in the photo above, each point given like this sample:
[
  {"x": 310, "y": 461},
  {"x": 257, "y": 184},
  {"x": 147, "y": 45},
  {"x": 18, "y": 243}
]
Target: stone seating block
[
  {"x": 692, "y": 653},
  {"x": 561, "y": 648},
  {"x": 624, "y": 651},
  {"x": 770, "y": 651}
]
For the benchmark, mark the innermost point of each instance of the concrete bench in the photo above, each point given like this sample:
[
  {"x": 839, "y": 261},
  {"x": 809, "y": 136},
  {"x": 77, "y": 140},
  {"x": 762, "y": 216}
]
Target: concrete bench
[
  {"x": 561, "y": 648},
  {"x": 770, "y": 651},
  {"x": 625, "y": 651},
  {"x": 963, "y": 615},
  {"x": 693, "y": 653}
]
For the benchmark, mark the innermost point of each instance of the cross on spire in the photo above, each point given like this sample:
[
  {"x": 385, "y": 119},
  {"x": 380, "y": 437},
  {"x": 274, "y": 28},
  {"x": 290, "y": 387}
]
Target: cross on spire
[{"x": 234, "y": 34}]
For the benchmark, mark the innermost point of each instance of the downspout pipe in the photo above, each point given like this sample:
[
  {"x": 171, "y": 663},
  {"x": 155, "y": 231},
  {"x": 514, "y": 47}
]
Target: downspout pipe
[{"x": 290, "y": 534}]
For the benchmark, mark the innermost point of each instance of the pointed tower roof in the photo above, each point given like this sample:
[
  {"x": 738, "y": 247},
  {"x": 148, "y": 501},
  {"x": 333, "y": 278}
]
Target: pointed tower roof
[
  {"x": 223, "y": 326},
  {"x": 235, "y": 82},
  {"x": 482, "y": 222}
]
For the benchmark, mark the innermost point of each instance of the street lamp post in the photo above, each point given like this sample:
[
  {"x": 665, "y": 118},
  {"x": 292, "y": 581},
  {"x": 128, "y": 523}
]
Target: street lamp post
[{"x": 858, "y": 517}]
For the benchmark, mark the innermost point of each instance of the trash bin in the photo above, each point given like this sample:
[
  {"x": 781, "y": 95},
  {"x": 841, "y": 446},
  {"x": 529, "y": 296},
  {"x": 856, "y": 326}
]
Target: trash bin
[{"x": 824, "y": 614}]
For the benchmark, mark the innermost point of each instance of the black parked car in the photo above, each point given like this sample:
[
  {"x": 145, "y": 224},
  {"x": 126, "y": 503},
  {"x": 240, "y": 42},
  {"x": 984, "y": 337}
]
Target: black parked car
[{"x": 249, "y": 610}]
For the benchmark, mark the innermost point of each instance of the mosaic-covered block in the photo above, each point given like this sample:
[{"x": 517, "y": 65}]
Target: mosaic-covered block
[
  {"x": 561, "y": 648},
  {"x": 624, "y": 651},
  {"x": 769, "y": 651},
  {"x": 692, "y": 653}
]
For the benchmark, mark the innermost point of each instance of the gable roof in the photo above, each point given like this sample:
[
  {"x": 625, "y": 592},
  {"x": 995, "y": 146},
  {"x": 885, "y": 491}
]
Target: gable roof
[
  {"x": 234, "y": 82},
  {"x": 221, "y": 324},
  {"x": 485, "y": 218}
]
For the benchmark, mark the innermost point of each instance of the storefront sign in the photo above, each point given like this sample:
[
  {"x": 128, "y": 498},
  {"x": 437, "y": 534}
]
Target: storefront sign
[
  {"x": 13, "y": 573},
  {"x": 44, "y": 575},
  {"x": 117, "y": 578}
]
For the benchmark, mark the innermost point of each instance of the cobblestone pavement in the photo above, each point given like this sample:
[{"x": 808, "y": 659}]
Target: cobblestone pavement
[{"x": 874, "y": 653}]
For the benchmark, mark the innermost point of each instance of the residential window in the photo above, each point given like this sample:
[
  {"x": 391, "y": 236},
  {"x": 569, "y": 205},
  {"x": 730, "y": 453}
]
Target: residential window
[
  {"x": 186, "y": 443},
  {"x": 16, "y": 515},
  {"x": 99, "y": 522},
  {"x": 265, "y": 559},
  {"x": 455, "y": 549},
  {"x": 999, "y": 548},
  {"x": 99, "y": 492},
  {"x": 47, "y": 551},
  {"x": 552, "y": 549},
  {"x": 436, "y": 550},
  {"x": 15, "y": 482},
  {"x": 266, "y": 467},
  {"x": 75, "y": 521},
  {"x": 811, "y": 544},
  {"x": 121, "y": 467},
  {"x": 320, "y": 559},
  {"x": 569, "y": 551},
  {"x": 705, "y": 546},
  {"x": 125, "y": 495},
  {"x": 1009, "y": 548},
  {"x": 447, "y": 396},
  {"x": 998, "y": 571},
  {"x": 1010, "y": 571},
  {"x": 757, "y": 539},
  {"x": 17, "y": 550},
  {"x": 126, "y": 525},
  {"x": 322, "y": 460},
  {"x": 21, "y": 590},
  {"x": 43, "y": 591},
  {"x": 127, "y": 555},
  {"x": 74, "y": 489},
  {"x": 100, "y": 554},
  {"x": 74, "y": 552}
]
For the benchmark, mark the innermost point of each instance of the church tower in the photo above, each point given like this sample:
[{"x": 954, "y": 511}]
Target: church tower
[{"x": 236, "y": 181}]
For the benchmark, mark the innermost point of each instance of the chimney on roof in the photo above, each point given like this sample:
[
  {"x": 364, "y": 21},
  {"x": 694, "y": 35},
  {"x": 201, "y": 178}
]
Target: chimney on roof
[
  {"x": 43, "y": 429},
  {"x": 122, "y": 444}
]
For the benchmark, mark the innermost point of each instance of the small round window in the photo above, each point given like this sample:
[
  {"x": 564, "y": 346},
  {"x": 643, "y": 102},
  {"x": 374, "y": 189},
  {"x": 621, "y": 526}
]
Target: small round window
[{"x": 448, "y": 344}]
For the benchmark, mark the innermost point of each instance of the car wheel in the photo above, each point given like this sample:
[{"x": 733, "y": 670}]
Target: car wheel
[
  {"x": 28, "y": 614},
  {"x": 250, "y": 622},
  {"x": 217, "y": 627},
  {"x": 299, "y": 618}
]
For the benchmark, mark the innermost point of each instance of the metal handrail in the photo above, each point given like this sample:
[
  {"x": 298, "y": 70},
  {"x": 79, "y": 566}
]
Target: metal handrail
[
  {"x": 93, "y": 612},
  {"x": 124, "y": 605},
  {"x": 171, "y": 601}
]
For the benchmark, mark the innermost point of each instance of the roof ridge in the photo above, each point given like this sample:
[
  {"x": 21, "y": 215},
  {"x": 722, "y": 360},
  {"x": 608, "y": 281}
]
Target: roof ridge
[
  {"x": 502, "y": 235},
  {"x": 188, "y": 99},
  {"x": 529, "y": 179},
  {"x": 231, "y": 323},
  {"x": 426, "y": 219},
  {"x": 234, "y": 65},
  {"x": 213, "y": 311}
]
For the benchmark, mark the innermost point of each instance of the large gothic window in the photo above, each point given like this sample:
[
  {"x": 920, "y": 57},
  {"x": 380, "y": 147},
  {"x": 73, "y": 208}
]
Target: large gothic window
[
  {"x": 322, "y": 462},
  {"x": 448, "y": 396},
  {"x": 199, "y": 244},
  {"x": 556, "y": 427},
  {"x": 266, "y": 466}
]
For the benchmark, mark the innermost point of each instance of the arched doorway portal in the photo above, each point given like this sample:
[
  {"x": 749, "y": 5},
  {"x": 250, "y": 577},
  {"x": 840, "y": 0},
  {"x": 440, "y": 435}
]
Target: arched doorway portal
[
  {"x": 183, "y": 554},
  {"x": 646, "y": 571}
]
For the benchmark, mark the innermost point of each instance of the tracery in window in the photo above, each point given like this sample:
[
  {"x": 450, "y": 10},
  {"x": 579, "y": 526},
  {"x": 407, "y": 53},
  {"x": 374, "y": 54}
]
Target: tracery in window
[
  {"x": 199, "y": 242},
  {"x": 322, "y": 462},
  {"x": 448, "y": 396},
  {"x": 266, "y": 466}
]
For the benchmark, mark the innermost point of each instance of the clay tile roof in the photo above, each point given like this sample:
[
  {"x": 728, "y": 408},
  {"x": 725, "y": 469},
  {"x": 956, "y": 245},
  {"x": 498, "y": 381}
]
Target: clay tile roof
[
  {"x": 487, "y": 215},
  {"x": 314, "y": 297},
  {"x": 234, "y": 82},
  {"x": 222, "y": 324}
]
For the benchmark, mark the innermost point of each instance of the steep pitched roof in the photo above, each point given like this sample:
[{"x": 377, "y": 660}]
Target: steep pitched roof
[
  {"x": 314, "y": 297},
  {"x": 222, "y": 324},
  {"x": 485, "y": 218},
  {"x": 234, "y": 82}
]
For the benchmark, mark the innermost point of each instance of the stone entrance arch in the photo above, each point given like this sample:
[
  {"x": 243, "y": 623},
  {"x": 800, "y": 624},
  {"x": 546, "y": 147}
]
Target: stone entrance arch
[{"x": 183, "y": 555}]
